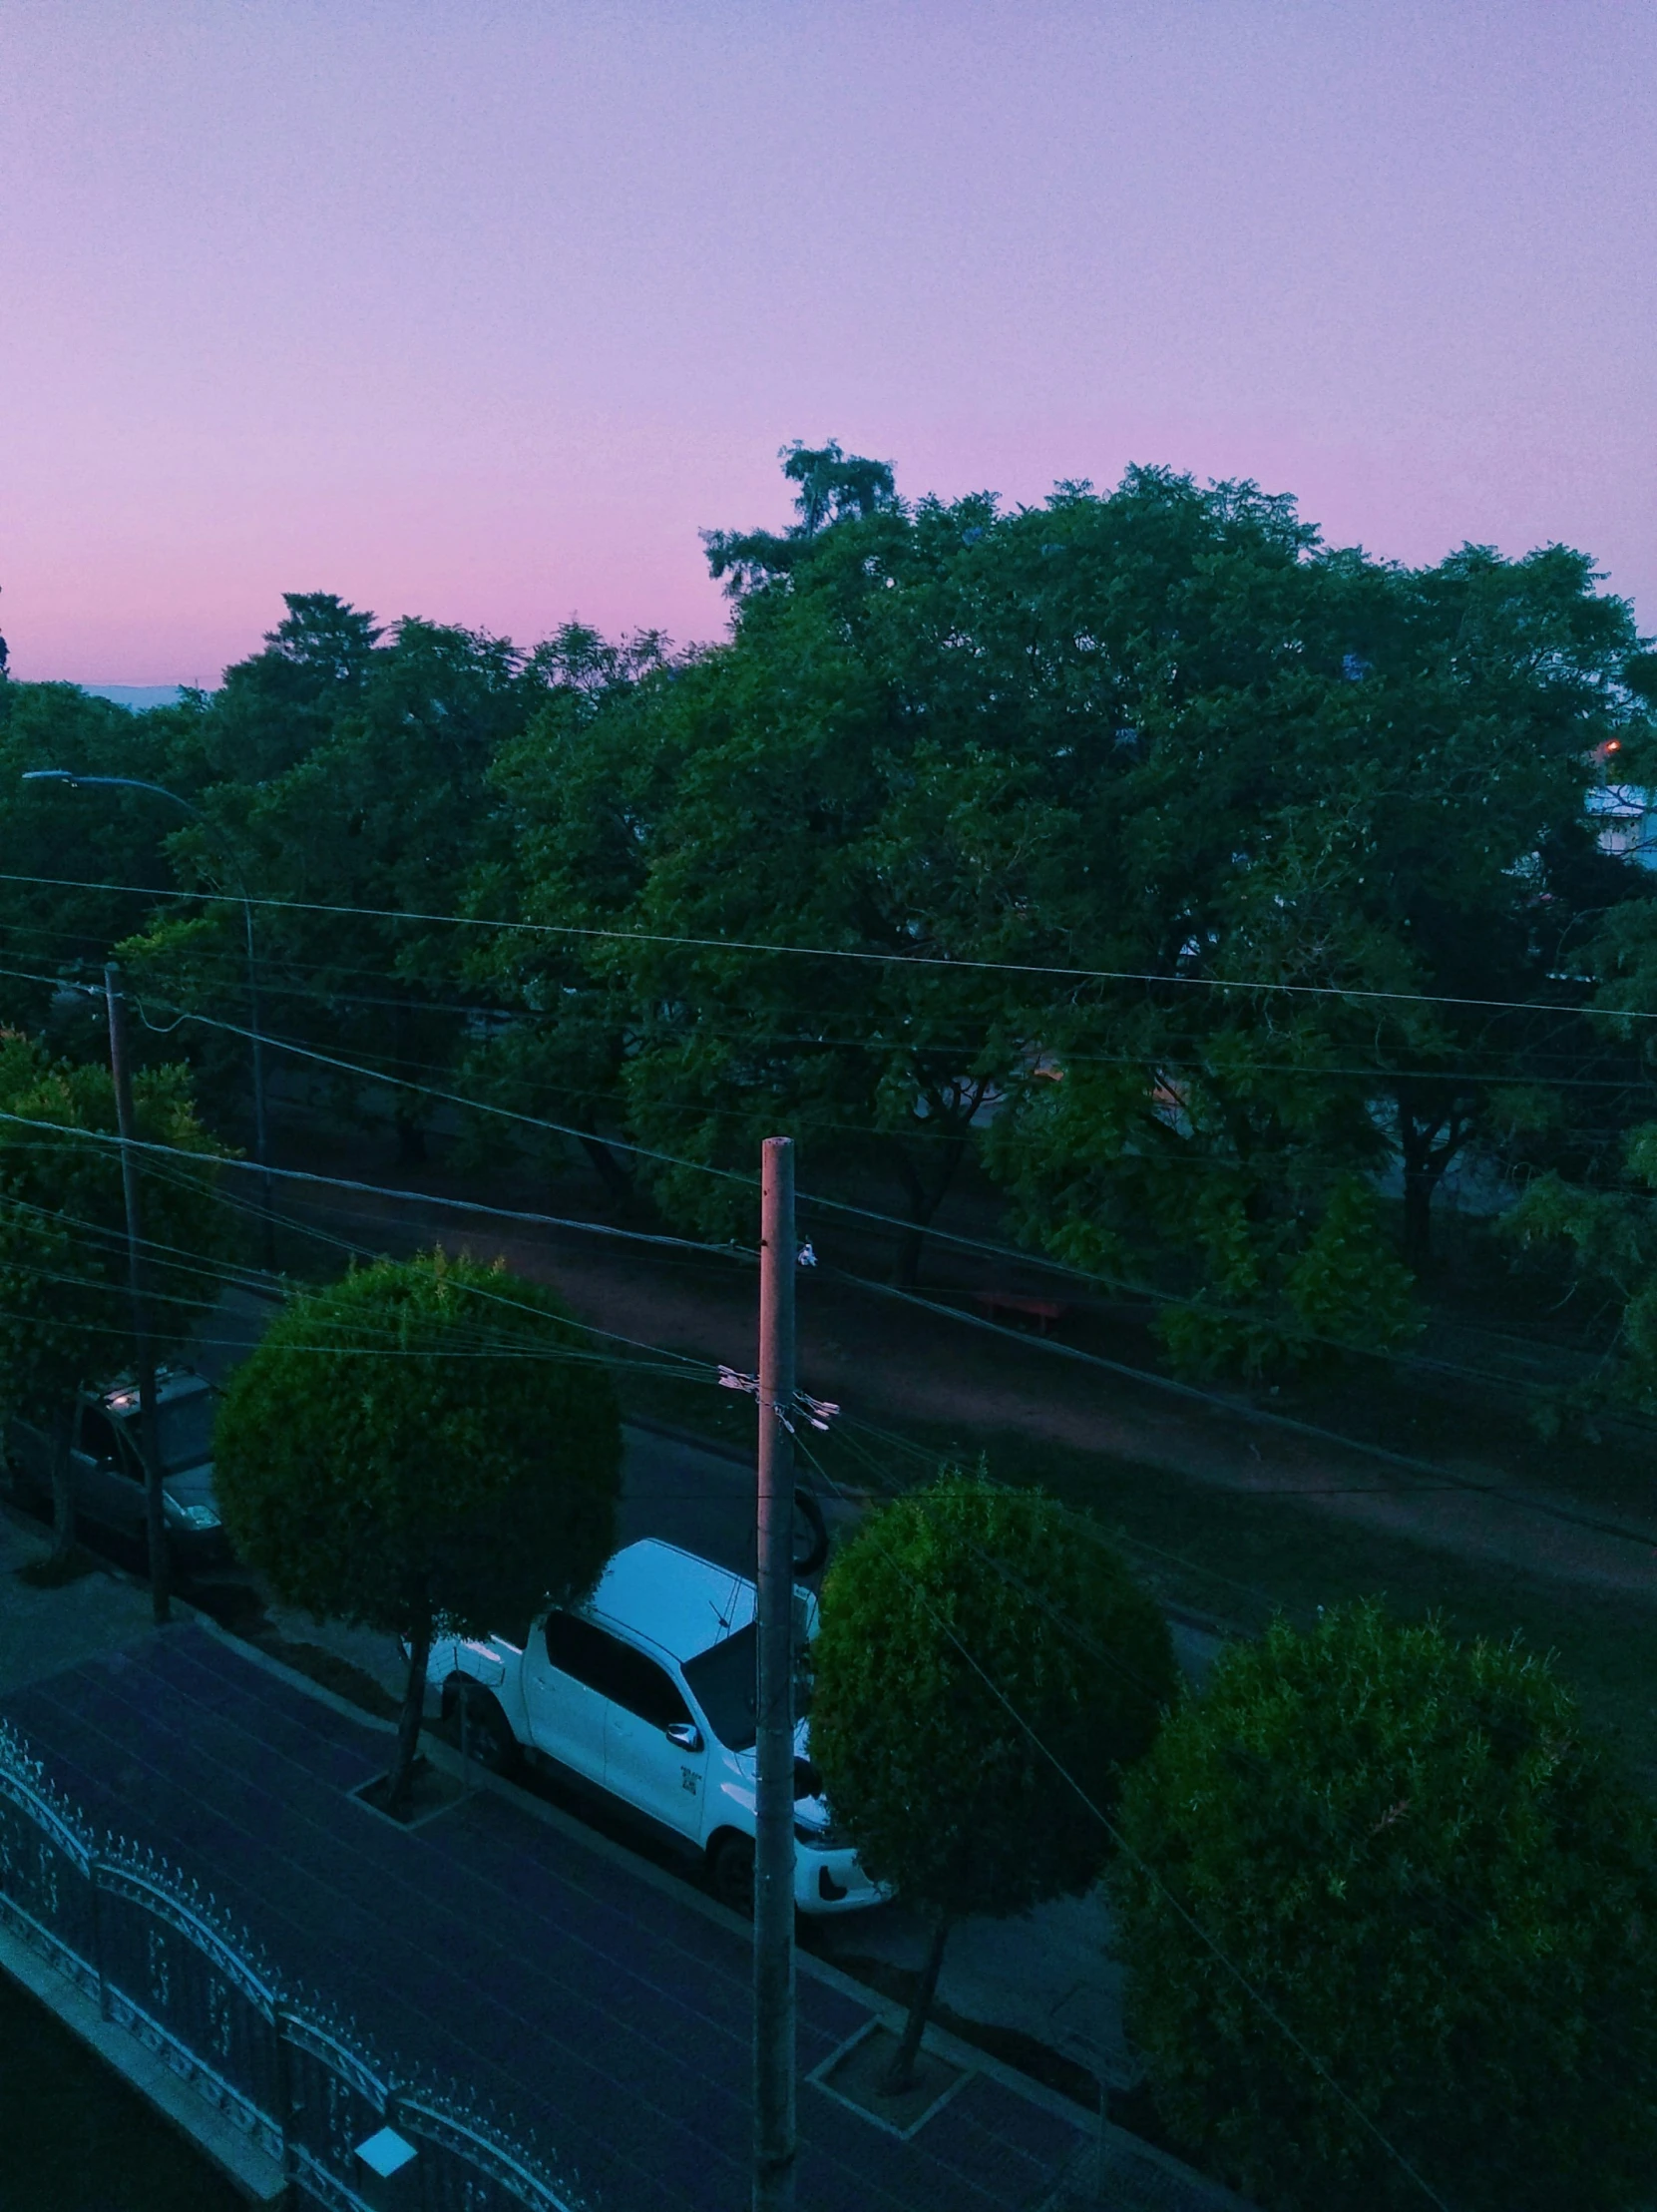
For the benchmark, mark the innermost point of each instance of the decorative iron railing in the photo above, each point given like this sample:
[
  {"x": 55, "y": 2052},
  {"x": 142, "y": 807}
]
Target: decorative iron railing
[{"x": 163, "y": 1960}]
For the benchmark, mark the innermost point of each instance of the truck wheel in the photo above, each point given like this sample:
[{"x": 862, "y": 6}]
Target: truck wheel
[
  {"x": 811, "y": 1541},
  {"x": 487, "y": 1736},
  {"x": 731, "y": 1871}
]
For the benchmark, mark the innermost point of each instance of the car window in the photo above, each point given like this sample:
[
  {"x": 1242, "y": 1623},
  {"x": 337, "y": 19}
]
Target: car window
[
  {"x": 99, "y": 1440},
  {"x": 725, "y": 1683},
  {"x": 614, "y": 1669},
  {"x": 645, "y": 1688},
  {"x": 586, "y": 1653},
  {"x": 186, "y": 1430}
]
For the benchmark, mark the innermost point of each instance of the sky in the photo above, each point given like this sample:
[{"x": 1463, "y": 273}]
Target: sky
[{"x": 482, "y": 310}]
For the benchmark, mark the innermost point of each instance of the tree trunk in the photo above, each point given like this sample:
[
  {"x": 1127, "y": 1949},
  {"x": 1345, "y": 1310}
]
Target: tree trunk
[
  {"x": 614, "y": 1178},
  {"x": 63, "y": 1496},
  {"x": 1418, "y": 1186},
  {"x": 900, "y": 2076},
  {"x": 401, "y": 1780},
  {"x": 922, "y": 1205}
]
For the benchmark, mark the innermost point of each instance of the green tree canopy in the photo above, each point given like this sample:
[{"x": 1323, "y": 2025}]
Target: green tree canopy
[
  {"x": 65, "y": 1309},
  {"x": 1412, "y": 1851},
  {"x": 1146, "y": 820},
  {"x": 1348, "y": 795},
  {"x": 347, "y": 775},
  {"x": 426, "y": 1439},
  {"x": 62, "y": 846},
  {"x": 978, "y": 1647}
]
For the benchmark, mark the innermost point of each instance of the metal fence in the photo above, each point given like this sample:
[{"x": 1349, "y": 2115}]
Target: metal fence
[{"x": 163, "y": 1960}]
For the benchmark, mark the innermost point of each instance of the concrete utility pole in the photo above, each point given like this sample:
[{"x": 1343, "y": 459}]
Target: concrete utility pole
[
  {"x": 774, "y": 2138},
  {"x": 154, "y": 1514}
]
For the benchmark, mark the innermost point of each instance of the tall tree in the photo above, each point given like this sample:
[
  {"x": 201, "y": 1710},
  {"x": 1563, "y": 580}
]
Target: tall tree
[
  {"x": 356, "y": 792},
  {"x": 1343, "y": 829},
  {"x": 563, "y": 852},
  {"x": 818, "y": 782}
]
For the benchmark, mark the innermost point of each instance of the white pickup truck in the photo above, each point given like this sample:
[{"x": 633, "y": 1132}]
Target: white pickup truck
[{"x": 646, "y": 1692}]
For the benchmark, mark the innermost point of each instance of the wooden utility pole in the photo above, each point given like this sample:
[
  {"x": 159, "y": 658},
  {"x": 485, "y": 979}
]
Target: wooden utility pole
[
  {"x": 774, "y": 2138},
  {"x": 143, "y": 1359}
]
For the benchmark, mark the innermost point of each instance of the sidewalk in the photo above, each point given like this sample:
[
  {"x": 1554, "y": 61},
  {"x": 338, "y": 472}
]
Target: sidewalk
[
  {"x": 42, "y": 1631},
  {"x": 1048, "y": 1975},
  {"x": 601, "y": 2003}
]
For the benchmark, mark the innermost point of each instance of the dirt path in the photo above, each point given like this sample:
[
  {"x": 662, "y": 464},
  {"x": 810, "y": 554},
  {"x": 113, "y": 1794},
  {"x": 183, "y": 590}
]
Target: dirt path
[{"x": 885, "y": 1361}]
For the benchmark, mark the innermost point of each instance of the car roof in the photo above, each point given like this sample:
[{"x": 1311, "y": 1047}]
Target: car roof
[
  {"x": 681, "y": 1603},
  {"x": 171, "y": 1383}
]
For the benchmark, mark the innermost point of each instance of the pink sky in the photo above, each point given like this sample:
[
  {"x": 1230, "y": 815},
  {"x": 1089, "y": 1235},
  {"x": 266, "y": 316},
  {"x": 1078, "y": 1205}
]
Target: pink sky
[{"x": 480, "y": 308}]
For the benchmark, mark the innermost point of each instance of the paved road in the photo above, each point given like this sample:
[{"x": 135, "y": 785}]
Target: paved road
[
  {"x": 609, "y": 2013},
  {"x": 1049, "y": 1975}
]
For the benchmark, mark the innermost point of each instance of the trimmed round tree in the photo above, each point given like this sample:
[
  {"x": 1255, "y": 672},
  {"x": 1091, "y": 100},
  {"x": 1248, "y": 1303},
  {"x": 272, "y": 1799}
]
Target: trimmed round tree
[
  {"x": 1412, "y": 1851},
  {"x": 975, "y": 1641},
  {"x": 426, "y": 1440}
]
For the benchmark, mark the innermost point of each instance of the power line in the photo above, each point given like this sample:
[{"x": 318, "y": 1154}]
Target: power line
[
  {"x": 1439, "y": 1477},
  {"x": 867, "y": 1213},
  {"x": 894, "y": 1221},
  {"x": 523, "y": 1016},
  {"x": 475, "y": 1289},
  {"x": 1361, "y": 993}
]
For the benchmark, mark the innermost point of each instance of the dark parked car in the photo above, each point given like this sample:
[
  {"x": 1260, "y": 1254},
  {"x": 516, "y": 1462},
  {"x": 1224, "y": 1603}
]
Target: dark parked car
[{"x": 106, "y": 1471}]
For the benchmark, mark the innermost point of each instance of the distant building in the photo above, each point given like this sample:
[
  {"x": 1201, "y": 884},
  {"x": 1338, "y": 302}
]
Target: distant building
[{"x": 1627, "y": 817}]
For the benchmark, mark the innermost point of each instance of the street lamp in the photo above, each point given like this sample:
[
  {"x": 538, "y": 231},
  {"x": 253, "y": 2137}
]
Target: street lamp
[{"x": 75, "y": 782}]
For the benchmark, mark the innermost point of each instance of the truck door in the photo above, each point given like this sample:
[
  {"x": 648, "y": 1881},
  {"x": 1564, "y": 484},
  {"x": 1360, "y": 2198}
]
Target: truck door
[
  {"x": 109, "y": 1483},
  {"x": 642, "y": 1762},
  {"x": 565, "y": 1693}
]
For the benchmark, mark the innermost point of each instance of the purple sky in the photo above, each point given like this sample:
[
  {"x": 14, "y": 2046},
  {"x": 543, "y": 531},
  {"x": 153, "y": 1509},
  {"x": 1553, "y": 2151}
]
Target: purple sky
[{"x": 480, "y": 308}]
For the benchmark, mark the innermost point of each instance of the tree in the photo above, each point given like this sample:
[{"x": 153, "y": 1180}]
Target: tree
[
  {"x": 1340, "y": 796},
  {"x": 563, "y": 847},
  {"x": 423, "y": 1440},
  {"x": 983, "y": 1673},
  {"x": 1605, "y": 1239},
  {"x": 833, "y": 485},
  {"x": 826, "y": 779},
  {"x": 65, "y": 848},
  {"x": 65, "y": 1310},
  {"x": 349, "y": 775},
  {"x": 1412, "y": 1853}
]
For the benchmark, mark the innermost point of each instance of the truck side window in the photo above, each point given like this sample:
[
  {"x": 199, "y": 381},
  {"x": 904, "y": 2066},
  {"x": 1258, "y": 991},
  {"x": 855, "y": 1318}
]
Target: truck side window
[
  {"x": 647, "y": 1689},
  {"x": 585, "y": 1652},
  {"x": 603, "y": 1663},
  {"x": 99, "y": 1440}
]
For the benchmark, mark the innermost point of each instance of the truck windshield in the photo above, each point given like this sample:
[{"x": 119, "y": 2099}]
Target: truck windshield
[{"x": 724, "y": 1682}]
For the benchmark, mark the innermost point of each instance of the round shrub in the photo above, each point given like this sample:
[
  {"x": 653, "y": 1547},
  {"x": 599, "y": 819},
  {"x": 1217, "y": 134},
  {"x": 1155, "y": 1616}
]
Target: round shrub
[
  {"x": 944, "y": 1599},
  {"x": 1417, "y": 1855}
]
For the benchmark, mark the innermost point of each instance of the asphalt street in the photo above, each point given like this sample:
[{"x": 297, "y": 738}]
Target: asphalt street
[{"x": 1049, "y": 1975}]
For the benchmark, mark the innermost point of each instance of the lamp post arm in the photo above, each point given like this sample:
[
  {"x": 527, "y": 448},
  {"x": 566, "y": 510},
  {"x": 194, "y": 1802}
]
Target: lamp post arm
[{"x": 78, "y": 782}]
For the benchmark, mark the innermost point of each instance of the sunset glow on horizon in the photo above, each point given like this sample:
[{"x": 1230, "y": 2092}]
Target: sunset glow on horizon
[{"x": 482, "y": 314}]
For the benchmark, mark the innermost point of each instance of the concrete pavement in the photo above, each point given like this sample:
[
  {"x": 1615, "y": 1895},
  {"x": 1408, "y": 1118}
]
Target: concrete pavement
[
  {"x": 43, "y": 1631},
  {"x": 1049, "y": 1975},
  {"x": 603, "y": 2006}
]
